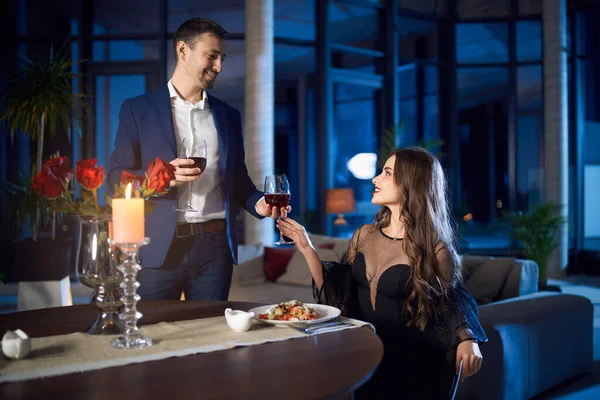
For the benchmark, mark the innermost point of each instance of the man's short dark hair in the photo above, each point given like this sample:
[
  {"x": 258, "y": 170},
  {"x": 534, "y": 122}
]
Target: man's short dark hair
[{"x": 191, "y": 29}]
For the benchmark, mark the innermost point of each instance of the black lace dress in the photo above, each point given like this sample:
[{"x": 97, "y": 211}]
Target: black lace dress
[{"x": 372, "y": 286}]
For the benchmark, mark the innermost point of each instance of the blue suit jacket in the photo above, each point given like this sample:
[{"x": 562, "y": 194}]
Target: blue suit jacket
[{"x": 146, "y": 132}]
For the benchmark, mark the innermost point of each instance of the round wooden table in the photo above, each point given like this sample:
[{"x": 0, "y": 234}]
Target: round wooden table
[{"x": 328, "y": 365}]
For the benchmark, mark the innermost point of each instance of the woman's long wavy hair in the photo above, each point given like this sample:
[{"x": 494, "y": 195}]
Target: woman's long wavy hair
[{"x": 424, "y": 211}]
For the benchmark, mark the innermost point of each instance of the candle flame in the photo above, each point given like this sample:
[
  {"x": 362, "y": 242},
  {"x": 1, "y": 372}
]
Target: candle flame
[
  {"x": 94, "y": 246},
  {"x": 128, "y": 191}
]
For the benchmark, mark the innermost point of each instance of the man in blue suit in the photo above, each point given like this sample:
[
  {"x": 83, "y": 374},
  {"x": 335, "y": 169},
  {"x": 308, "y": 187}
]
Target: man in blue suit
[{"x": 193, "y": 252}]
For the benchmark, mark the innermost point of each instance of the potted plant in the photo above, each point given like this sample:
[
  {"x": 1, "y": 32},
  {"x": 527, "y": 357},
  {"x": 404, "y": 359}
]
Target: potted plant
[
  {"x": 538, "y": 233},
  {"x": 38, "y": 102}
]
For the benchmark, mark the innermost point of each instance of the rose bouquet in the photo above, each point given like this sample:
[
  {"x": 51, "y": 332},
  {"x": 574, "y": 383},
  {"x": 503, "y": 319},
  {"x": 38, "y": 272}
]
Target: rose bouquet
[
  {"x": 55, "y": 183},
  {"x": 156, "y": 181}
]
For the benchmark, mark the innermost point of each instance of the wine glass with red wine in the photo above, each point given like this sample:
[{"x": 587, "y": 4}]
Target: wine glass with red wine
[
  {"x": 277, "y": 194},
  {"x": 198, "y": 154}
]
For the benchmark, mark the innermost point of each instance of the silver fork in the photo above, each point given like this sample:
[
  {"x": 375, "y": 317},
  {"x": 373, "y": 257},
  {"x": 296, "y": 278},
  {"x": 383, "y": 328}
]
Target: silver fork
[{"x": 313, "y": 328}]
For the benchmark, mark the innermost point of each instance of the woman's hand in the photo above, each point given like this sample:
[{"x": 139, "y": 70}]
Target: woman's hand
[
  {"x": 470, "y": 353},
  {"x": 296, "y": 232}
]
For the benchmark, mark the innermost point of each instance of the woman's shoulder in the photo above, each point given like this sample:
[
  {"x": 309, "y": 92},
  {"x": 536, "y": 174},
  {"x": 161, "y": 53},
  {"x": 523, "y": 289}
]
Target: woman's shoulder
[{"x": 365, "y": 229}]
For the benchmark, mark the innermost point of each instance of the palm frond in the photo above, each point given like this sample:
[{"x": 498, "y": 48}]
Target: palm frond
[
  {"x": 24, "y": 205},
  {"x": 391, "y": 139},
  {"x": 43, "y": 87}
]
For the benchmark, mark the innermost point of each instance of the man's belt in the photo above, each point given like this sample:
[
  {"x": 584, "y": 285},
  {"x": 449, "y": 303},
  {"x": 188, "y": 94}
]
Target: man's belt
[{"x": 195, "y": 228}]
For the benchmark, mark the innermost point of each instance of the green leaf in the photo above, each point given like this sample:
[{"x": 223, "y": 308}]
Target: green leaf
[
  {"x": 391, "y": 139},
  {"x": 538, "y": 231},
  {"x": 42, "y": 87},
  {"x": 108, "y": 200},
  {"x": 149, "y": 206}
]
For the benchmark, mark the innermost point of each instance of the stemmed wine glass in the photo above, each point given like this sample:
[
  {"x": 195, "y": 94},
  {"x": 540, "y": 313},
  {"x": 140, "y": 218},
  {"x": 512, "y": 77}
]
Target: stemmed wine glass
[
  {"x": 188, "y": 150},
  {"x": 277, "y": 194}
]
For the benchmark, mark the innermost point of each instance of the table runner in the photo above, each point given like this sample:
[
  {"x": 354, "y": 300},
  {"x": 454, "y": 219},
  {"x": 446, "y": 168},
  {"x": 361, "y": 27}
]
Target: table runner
[{"x": 79, "y": 352}]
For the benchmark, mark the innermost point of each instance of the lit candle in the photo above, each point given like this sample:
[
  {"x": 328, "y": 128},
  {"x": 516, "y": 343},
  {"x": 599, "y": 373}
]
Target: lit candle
[{"x": 128, "y": 218}]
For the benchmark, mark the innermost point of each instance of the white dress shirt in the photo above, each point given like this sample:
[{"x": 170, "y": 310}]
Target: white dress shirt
[{"x": 195, "y": 123}]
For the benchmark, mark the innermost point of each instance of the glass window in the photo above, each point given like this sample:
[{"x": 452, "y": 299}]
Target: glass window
[
  {"x": 529, "y": 137},
  {"x": 355, "y": 132},
  {"x": 529, "y": 41},
  {"x": 114, "y": 17},
  {"x": 407, "y": 77},
  {"x": 481, "y": 43},
  {"x": 483, "y": 8},
  {"x": 431, "y": 78},
  {"x": 529, "y": 173},
  {"x": 431, "y": 132},
  {"x": 109, "y": 95},
  {"x": 417, "y": 39},
  {"x": 483, "y": 160},
  {"x": 44, "y": 18},
  {"x": 408, "y": 122},
  {"x": 295, "y": 20},
  {"x": 124, "y": 50},
  {"x": 591, "y": 154},
  {"x": 229, "y": 14},
  {"x": 293, "y": 66},
  {"x": 530, "y": 7},
  {"x": 529, "y": 88},
  {"x": 344, "y": 18},
  {"x": 480, "y": 85},
  {"x": 421, "y": 6},
  {"x": 431, "y": 117}
]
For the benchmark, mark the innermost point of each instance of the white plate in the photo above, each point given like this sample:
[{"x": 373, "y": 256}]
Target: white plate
[{"x": 324, "y": 313}]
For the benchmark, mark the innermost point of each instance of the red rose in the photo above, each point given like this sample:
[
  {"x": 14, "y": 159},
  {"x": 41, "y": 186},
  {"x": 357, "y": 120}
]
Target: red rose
[
  {"x": 159, "y": 175},
  {"x": 88, "y": 174},
  {"x": 47, "y": 184},
  {"x": 59, "y": 166},
  {"x": 128, "y": 177}
]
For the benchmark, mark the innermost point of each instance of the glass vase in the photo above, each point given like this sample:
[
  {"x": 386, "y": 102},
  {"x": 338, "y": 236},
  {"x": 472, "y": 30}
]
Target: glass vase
[{"x": 96, "y": 263}]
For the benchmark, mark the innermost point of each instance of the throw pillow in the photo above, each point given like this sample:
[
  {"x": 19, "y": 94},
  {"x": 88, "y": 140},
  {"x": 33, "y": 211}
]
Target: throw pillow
[
  {"x": 298, "y": 273},
  {"x": 328, "y": 246},
  {"x": 276, "y": 261},
  {"x": 486, "y": 281}
]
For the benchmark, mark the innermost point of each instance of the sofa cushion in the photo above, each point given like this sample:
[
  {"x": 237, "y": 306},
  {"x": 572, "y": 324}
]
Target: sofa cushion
[
  {"x": 486, "y": 281},
  {"x": 270, "y": 293},
  {"x": 340, "y": 244},
  {"x": 297, "y": 271},
  {"x": 470, "y": 263},
  {"x": 276, "y": 261},
  {"x": 248, "y": 252},
  {"x": 249, "y": 272}
]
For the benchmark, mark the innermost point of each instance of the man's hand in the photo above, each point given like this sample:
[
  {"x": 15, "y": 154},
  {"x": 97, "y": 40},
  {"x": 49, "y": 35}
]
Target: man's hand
[
  {"x": 183, "y": 173},
  {"x": 262, "y": 208}
]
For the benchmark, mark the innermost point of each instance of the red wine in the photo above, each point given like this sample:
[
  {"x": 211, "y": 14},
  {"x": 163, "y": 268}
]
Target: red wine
[
  {"x": 199, "y": 162},
  {"x": 278, "y": 200}
]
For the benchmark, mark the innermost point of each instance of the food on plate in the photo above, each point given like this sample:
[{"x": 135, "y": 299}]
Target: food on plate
[{"x": 293, "y": 310}]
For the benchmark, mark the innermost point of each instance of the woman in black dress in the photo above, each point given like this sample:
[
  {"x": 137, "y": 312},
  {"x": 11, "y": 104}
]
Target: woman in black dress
[{"x": 402, "y": 274}]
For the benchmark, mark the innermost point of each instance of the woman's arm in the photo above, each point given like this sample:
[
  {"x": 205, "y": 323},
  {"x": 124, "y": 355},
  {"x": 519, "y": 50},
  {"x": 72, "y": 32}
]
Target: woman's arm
[
  {"x": 332, "y": 281},
  {"x": 460, "y": 321},
  {"x": 298, "y": 234}
]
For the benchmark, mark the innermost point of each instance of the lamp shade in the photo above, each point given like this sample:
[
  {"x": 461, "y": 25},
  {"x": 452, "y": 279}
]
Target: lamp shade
[{"x": 340, "y": 201}]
